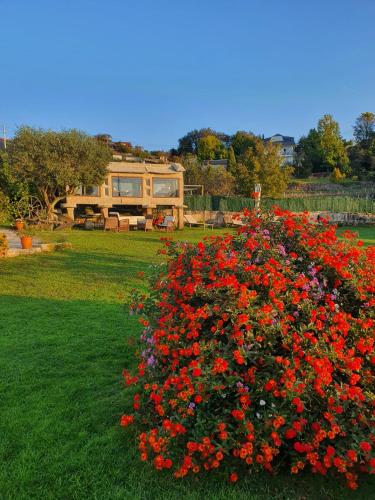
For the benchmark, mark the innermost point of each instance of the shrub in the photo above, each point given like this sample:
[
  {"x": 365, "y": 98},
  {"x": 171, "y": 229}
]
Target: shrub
[
  {"x": 259, "y": 353},
  {"x": 337, "y": 175},
  {"x": 4, "y": 208},
  {"x": 3, "y": 245}
]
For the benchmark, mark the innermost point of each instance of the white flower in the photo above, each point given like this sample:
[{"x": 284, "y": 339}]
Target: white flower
[
  {"x": 258, "y": 415},
  {"x": 262, "y": 402}
]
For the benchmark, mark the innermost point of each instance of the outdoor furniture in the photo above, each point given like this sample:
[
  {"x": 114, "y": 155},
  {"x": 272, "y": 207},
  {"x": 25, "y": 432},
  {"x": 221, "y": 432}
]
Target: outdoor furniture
[
  {"x": 111, "y": 224},
  {"x": 123, "y": 225},
  {"x": 237, "y": 222},
  {"x": 228, "y": 221},
  {"x": 167, "y": 224},
  {"x": 191, "y": 220},
  {"x": 133, "y": 219},
  {"x": 146, "y": 224},
  {"x": 231, "y": 220},
  {"x": 93, "y": 221}
]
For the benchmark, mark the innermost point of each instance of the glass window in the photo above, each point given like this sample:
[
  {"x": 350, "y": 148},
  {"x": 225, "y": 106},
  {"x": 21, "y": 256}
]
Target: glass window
[
  {"x": 91, "y": 190},
  {"x": 87, "y": 191},
  {"x": 165, "y": 188},
  {"x": 127, "y": 186}
]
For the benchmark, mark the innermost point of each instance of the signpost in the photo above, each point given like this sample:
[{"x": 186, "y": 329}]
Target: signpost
[{"x": 256, "y": 195}]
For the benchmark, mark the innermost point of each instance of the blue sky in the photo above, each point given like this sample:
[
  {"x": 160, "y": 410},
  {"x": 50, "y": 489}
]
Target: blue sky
[{"x": 148, "y": 71}]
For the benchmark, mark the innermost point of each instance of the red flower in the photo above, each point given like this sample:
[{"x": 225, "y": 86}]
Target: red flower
[
  {"x": 290, "y": 434},
  {"x": 270, "y": 385},
  {"x": 365, "y": 446},
  {"x": 233, "y": 477},
  {"x": 126, "y": 420},
  {"x": 240, "y": 360},
  {"x": 220, "y": 365},
  {"x": 238, "y": 414}
]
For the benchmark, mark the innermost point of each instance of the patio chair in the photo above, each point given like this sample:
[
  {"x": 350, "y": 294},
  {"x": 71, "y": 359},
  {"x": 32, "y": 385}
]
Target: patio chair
[
  {"x": 191, "y": 220},
  {"x": 145, "y": 224},
  {"x": 111, "y": 224},
  {"x": 123, "y": 225},
  {"x": 167, "y": 224},
  {"x": 228, "y": 221},
  {"x": 237, "y": 222}
]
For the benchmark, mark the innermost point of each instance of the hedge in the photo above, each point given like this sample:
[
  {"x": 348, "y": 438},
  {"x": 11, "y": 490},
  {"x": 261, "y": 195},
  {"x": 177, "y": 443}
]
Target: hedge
[
  {"x": 310, "y": 203},
  {"x": 224, "y": 203}
]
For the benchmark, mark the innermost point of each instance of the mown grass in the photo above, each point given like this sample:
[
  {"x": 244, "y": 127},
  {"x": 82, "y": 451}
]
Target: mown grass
[{"x": 65, "y": 336}]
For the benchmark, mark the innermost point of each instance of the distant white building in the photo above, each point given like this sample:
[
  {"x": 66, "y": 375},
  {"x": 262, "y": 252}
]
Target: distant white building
[{"x": 287, "y": 146}]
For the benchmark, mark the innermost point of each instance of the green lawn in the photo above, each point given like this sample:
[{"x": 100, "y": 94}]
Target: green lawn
[{"x": 65, "y": 336}]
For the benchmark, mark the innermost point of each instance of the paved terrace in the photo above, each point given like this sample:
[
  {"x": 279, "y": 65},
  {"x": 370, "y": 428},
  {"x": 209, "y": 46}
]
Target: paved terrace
[
  {"x": 14, "y": 240},
  {"x": 16, "y": 249}
]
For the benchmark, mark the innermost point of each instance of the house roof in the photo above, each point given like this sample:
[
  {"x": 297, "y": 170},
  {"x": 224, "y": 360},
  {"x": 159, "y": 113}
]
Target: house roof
[
  {"x": 223, "y": 162},
  {"x": 286, "y": 140},
  {"x": 143, "y": 168}
]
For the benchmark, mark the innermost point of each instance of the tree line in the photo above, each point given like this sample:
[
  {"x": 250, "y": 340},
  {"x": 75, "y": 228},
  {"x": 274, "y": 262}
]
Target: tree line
[
  {"x": 323, "y": 150},
  {"x": 250, "y": 159},
  {"x": 53, "y": 164}
]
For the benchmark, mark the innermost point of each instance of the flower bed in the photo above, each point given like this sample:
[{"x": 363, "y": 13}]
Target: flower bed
[{"x": 259, "y": 353}]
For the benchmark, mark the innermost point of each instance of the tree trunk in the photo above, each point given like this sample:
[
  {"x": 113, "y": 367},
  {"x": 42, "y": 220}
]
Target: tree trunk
[{"x": 50, "y": 204}]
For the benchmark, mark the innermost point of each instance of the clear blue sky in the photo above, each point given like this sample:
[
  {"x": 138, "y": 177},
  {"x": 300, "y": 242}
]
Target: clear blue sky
[{"x": 148, "y": 71}]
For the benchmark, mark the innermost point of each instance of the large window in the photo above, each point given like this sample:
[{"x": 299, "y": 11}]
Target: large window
[
  {"x": 165, "y": 188},
  {"x": 87, "y": 191},
  {"x": 127, "y": 186}
]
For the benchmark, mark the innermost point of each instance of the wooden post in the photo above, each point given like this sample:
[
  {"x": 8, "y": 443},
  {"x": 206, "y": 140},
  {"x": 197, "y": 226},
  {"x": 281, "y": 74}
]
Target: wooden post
[{"x": 180, "y": 217}]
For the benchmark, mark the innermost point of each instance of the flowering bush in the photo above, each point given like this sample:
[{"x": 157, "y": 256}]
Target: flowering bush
[{"x": 259, "y": 353}]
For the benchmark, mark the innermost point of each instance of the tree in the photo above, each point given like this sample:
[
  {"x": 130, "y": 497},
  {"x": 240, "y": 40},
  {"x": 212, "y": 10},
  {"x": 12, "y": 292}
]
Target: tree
[
  {"x": 14, "y": 193},
  {"x": 337, "y": 175},
  {"x": 266, "y": 164},
  {"x": 362, "y": 154},
  {"x": 243, "y": 179},
  {"x": 332, "y": 146},
  {"x": 364, "y": 128},
  {"x": 189, "y": 142},
  {"x": 215, "y": 180},
  {"x": 262, "y": 163},
  {"x": 231, "y": 160},
  {"x": 210, "y": 148},
  {"x": 362, "y": 160},
  {"x": 218, "y": 181},
  {"x": 54, "y": 164},
  {"x": 193, "y": 170},
  {"x": 104, "y": 138},
  {"x": 309, "y": 155},
  {"x": 241, "y": 141}
]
